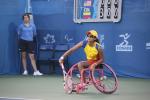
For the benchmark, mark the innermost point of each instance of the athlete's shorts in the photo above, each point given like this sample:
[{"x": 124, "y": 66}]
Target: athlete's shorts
[{"x": 27, "y": 46}]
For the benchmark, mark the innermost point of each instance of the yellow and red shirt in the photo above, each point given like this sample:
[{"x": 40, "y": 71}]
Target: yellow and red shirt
[{"x": 91, "y": 52}]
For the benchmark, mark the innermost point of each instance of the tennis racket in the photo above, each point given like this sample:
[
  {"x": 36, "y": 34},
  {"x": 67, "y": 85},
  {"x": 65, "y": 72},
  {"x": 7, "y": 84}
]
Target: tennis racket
[{"x": 68, "y": 84}]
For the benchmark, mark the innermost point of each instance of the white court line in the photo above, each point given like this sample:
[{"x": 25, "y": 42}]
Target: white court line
[{"x": 5, "y": 98}]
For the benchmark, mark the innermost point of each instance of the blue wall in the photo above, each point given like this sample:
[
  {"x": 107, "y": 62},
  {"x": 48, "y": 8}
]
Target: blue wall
[
  {"x": 11, "y": 10},
  {"x": 56, "y": 17}
]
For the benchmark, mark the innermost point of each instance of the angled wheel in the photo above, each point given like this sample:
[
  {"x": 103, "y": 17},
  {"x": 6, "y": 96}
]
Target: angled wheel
[{"x": 104, "y": 79}]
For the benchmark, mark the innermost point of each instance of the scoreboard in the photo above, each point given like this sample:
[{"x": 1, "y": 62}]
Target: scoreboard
[{"x": 97, "y": 11}]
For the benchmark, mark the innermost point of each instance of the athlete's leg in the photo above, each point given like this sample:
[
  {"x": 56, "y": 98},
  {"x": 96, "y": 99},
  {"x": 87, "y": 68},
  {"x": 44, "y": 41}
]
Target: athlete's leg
[{"x": 81, "y": 66}]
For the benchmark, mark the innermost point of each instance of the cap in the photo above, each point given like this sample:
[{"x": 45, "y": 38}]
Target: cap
[{"x": 92, "y": 32}]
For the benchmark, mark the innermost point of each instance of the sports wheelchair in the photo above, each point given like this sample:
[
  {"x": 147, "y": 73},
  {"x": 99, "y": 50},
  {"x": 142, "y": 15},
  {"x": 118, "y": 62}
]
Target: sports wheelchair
[{"x": 102, "y": 77}]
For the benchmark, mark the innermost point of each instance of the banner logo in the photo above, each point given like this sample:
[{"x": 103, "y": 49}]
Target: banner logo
[
  {"x": 49, "y": 39},
  {"x": 124, "y": 45},
  {"x": 148, "y": 45},
  {"x": 68, "y": 38}
]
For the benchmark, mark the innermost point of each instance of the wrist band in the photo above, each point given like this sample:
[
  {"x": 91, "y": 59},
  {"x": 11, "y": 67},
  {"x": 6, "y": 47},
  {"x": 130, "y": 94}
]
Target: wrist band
[{"x": 61, "y": 58}]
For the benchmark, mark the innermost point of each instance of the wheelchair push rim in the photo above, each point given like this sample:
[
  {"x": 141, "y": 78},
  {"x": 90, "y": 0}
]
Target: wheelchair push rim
[{"x": 109, "y": 83}]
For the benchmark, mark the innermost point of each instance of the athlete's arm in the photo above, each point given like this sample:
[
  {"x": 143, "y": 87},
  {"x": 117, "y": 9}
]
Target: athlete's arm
[{"x": 71, "y": 50}]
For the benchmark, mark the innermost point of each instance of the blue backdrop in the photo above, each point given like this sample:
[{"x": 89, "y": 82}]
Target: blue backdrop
[{"x": 126, "y": 44}]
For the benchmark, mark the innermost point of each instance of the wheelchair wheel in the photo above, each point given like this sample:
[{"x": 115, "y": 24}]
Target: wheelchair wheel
[
  {"x": 72, "y": 80},
  {"x": 104, "y": 79}
]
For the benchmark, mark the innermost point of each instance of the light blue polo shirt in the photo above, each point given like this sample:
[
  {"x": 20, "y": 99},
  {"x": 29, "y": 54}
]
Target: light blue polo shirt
[{"x": 27, "y": 32}]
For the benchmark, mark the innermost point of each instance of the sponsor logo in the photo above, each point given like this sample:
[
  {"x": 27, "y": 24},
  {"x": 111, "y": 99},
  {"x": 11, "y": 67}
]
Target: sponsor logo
[{"x": 124, "y": 45}]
